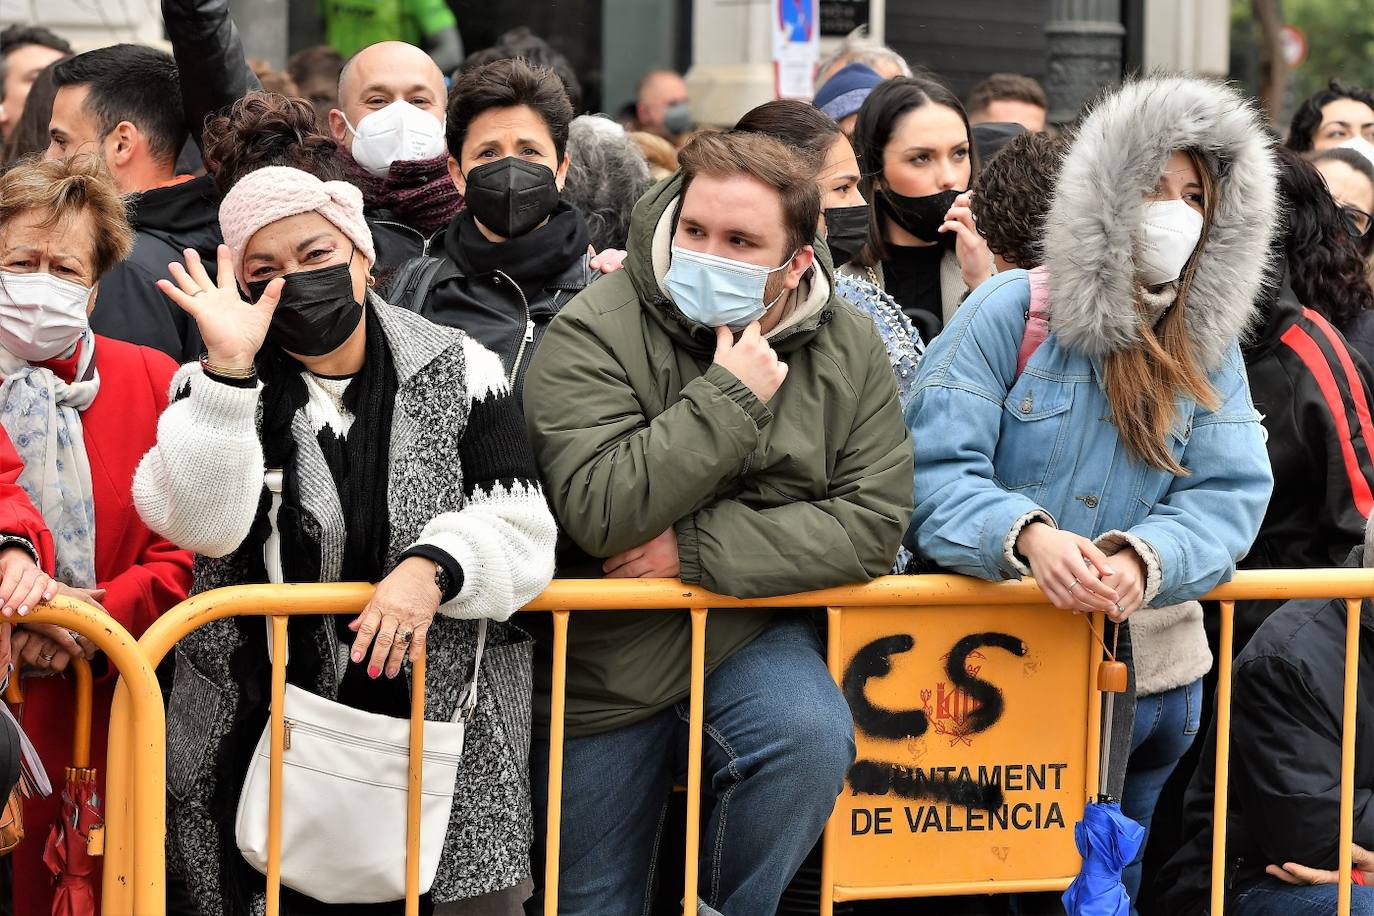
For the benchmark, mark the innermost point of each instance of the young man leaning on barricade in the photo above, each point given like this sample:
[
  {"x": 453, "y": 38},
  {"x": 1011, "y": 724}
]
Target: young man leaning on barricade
[{"x": 712, "y": 413}]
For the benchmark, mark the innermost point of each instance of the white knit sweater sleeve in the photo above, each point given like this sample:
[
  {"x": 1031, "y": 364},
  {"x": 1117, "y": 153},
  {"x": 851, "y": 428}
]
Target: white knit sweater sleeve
[
  {"x": 200, "y": 484},
  {"x": 503, "y": 538}
]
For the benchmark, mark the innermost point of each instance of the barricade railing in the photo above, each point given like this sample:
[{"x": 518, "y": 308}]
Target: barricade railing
[
  {"x": 134, "y": 858},
  {"x": 144, "y": 748}
]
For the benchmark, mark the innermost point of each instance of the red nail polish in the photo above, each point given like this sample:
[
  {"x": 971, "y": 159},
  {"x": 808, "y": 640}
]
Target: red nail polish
[{"x": 373, "y": 671}]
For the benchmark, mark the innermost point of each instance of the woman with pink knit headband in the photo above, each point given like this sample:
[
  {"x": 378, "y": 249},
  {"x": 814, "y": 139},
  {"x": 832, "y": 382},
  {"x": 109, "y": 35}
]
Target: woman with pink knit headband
[{"x": 404, "y": 462}]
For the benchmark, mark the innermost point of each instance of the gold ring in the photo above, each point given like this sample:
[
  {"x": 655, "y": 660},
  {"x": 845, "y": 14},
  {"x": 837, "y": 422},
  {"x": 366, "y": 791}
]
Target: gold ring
[{"x": 46, "y": 656}]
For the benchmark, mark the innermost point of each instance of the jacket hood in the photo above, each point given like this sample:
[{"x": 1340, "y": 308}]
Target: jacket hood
[
  {"x": 649, "y": 254},
  {"x": 1117, "y": 157},
  {"x": 177, "y": 210}
]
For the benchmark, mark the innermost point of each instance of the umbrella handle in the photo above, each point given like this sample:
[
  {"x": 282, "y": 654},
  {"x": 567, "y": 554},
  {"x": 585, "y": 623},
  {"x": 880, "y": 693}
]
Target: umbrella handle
[
  {"x": 14, "y": 694},
  {"x": 1112, "y": 677},
  {"x": 81, "y": 729}
]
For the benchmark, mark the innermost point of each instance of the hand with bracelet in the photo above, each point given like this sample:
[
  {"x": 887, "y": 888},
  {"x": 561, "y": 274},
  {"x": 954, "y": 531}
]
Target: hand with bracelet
[{"x": 233, "y": 330}]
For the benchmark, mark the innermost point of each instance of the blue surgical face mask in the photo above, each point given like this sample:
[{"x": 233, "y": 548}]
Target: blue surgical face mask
[{"x": 717, "y": 291}]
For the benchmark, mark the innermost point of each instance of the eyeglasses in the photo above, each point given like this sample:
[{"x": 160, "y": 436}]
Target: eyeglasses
[{"x": 1357, "y": 222}]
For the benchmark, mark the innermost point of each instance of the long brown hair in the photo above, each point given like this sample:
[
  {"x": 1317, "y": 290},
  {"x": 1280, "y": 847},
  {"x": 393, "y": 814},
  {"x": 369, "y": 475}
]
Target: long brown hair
[{"x": 1143, "y": 382}]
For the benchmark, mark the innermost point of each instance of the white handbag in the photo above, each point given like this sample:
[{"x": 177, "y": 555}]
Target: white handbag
[{"x": 344, "y": 786}]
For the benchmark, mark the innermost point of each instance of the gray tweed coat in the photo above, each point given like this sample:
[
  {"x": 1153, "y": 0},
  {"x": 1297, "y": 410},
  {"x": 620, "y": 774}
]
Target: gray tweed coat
[{"x": 488, "y": 841}]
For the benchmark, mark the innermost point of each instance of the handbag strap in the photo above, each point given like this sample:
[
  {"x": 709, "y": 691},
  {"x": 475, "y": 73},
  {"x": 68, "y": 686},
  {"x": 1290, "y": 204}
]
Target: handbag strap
[
  {"x": 271, "y": 555},
  {"x": 468, "y": 702}
]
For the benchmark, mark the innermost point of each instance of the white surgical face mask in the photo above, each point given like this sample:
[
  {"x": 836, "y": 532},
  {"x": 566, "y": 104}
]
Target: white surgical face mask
[
  {"x": 1361, "y": 146},
  {"x": 1169, "y": 233},
  {"x": 41, "y": 316},
  {"x": 719, "y": 292},
  {"x": 398, "y": 132}
]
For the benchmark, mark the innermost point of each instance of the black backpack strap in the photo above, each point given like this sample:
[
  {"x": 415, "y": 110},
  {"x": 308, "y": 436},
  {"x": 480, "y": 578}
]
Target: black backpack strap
[{"x": 410, "y": 284}]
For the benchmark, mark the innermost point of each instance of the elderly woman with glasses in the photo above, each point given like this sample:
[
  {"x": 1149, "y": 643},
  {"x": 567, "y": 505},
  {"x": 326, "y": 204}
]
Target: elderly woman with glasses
[{"x": 80, "y": 410}]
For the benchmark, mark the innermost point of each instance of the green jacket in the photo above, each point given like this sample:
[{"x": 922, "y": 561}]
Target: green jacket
[{"x": 636, "y": 431}]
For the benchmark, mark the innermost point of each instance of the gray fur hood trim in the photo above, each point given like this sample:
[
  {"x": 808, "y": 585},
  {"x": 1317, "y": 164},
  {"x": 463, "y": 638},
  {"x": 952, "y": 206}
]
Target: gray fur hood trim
[{"x": 1117, "y": 157}]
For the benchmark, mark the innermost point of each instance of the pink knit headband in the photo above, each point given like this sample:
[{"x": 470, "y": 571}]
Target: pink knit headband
[{"x": 270, "y": 194}]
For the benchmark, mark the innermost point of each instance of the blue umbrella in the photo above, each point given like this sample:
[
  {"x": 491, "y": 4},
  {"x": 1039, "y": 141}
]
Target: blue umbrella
[{"x": 1107, "y": 840}]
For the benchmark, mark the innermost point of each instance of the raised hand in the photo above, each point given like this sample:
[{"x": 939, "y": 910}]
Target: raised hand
[
  {"x": 751, "y": 360},
  {"x": 233, "y": 330},
  {"x": 975, "y": 258}
]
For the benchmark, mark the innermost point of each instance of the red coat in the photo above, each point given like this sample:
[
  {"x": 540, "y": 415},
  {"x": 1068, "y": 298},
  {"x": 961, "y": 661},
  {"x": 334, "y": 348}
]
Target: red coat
[
  {"x": 17, "y": 513},
  {"x": 143, "y": 574}
]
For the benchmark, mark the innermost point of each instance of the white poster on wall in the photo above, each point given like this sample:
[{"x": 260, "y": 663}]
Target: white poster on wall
[{"x": 796, "y": 48}]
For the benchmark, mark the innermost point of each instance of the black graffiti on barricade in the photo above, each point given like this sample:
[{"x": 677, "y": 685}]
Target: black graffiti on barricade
[
  {"x": 872, "y": 777},
  {"x": 988, "y": 704},
  {"x": 875, "y": 661}
]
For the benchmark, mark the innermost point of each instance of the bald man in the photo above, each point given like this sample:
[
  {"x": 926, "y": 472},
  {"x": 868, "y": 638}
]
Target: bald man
[
  {"x": 661, "y": 106},
  {"x": 390, "y": 129}
]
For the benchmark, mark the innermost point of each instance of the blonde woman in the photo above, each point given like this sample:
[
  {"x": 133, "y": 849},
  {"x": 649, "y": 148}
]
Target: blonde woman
[{"x": 1120, "y": 462}]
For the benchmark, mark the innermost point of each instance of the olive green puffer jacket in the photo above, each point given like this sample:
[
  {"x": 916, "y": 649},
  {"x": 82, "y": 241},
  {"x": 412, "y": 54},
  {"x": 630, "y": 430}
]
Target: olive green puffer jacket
[{"x": 636, "y": 431}]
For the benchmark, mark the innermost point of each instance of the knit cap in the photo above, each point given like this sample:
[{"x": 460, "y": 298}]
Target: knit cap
[
  {"x": 844, "y": 93},
  {"x": 264, "y": 196}
]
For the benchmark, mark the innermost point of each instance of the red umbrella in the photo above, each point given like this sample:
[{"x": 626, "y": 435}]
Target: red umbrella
[{"x": 67, "y": 854}]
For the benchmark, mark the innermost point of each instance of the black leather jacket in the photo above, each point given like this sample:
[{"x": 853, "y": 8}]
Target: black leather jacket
[
  {"x": 507, "y": 305},
  {"x": 210, "y": 60}
]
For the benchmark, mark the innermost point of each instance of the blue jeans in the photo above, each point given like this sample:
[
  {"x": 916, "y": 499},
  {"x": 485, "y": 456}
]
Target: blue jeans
[
  {"x": 1165, "y": 726},
  {"x": 778, "y": 743},
  {"x": 1271, "y": 897}
]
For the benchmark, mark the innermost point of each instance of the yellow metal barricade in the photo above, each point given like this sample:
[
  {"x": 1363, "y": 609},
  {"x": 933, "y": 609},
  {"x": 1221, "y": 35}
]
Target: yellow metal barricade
[
  {"x": 130, "y": 856},
  {"x": 125, "y": 855},
  {"x": 1354, "y": 585},
  {"x": 143, "y": 750}
]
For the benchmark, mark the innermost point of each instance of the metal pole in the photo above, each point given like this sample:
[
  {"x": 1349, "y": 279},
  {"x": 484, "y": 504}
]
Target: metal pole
[
  {"x": 557, "y": 704},
  {"x": 696, "y": 724},
  {"x": 1223, "y": 772},
  {"x": 1347, "y": 828},
  {"x": 415, "y": 785},
  {"x": 1085, "y": 38}
]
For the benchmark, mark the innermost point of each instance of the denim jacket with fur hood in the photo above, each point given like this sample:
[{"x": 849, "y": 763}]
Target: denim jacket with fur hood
[{"x": 995, "y": 451}]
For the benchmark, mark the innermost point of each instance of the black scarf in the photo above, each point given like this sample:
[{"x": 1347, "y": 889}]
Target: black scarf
[
  {"x": 362, "y": 485},
  {"x": 533, "y": 260}
]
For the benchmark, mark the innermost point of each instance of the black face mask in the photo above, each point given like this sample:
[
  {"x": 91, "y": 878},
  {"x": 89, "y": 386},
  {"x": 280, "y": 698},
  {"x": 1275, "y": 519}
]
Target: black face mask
[
  {"x": 316, "y": 313},
  {"x": 846, "y": 230},
  {"x": 511, "y": 196},
  {"x": 921, "y": 216}
]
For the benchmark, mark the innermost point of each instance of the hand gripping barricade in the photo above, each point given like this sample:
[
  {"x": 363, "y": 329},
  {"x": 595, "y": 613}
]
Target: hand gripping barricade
[
  {"x": 133, "y": 846},
  {"x": 143, "y": 752}
]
